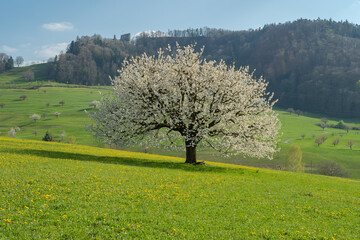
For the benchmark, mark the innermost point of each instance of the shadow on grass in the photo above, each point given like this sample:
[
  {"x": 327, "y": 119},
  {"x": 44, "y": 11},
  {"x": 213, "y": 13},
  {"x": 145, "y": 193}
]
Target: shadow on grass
[{"x": 139, "y": 162}]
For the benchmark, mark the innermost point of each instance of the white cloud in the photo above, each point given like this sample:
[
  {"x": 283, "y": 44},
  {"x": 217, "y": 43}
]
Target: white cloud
[
  {"x": 25, "y": 45},
  {"x": 49, "y": 51},
  {"x": 58, "y": 27},
  {"x": 9, "y": 49}
]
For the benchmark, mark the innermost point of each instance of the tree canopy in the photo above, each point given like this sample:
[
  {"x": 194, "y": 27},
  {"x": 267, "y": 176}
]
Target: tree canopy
[{"x": 180, "y": 98}]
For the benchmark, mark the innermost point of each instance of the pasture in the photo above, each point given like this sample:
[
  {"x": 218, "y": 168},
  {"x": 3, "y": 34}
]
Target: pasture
[{"x": 65, "y": 191}]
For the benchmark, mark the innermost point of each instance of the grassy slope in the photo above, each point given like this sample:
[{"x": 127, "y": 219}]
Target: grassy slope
[
  {"x": 58, "y": 191},
  {"x": 72, "y": 120},
  {"x": 15, "y": 77}
]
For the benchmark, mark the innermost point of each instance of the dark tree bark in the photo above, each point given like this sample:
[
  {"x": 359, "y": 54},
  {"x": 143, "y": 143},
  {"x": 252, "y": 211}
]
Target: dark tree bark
[{"x": 190, "y": 155}]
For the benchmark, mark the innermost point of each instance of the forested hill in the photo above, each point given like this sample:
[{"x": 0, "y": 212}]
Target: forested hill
[{"x": 311, "y": 65}]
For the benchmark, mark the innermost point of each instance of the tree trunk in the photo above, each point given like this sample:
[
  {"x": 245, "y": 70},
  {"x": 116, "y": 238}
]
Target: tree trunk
[{"x": 190, "y": 154}]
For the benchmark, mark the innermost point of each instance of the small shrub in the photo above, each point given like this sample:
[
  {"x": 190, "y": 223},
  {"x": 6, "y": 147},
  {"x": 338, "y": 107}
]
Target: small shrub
[
  {"x": 62, "y": 102},
  {"x": 35, "y": 132},
  {"x": 48, "y": 137},
  {"x": 332, "y": 169},
  {"x": 94, "y": 104},
  {"x": 72, "y": 139},
  {"x": 47, "y": 104},
  {"x": 299, "y": 112},
  {"x": 291, "y": 110},
  {"x": 12, "y": 133},
  {"x": 323, "y": 126},
  {"x": 62, "y": 135},
  {"x": 23, "y": 97},
  {"x": 2, "y": 105}
]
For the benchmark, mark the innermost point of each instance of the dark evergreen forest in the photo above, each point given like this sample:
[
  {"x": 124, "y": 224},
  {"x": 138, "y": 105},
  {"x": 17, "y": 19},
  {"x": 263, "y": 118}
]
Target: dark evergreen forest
[{"x": 312, "y": 65}]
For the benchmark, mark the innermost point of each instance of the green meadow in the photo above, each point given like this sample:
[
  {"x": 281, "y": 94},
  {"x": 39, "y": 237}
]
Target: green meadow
[
  {"x": 45, "y": 101},
  {"x": 66, "y": 191},
  {"x": 44, "y": 97}
]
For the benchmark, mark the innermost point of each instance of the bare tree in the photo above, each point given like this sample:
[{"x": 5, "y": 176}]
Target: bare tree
[
  {"x": 180, "y": 95},
  {"x": 320, "y": 140},
  {"x": 347, "y": 128},
  {"x": 324, "y": 120},
  {"x": 19, "y": 60},
  {"x": 336, "y": 141},
  {"x": 350, "y": 143}
]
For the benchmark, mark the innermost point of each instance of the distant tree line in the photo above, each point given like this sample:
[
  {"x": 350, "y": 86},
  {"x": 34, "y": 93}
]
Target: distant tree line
[
  {"x": 312, "y": 65},
  {"x": 90, "y": 61},
  {"x": 6, "y": 62}
]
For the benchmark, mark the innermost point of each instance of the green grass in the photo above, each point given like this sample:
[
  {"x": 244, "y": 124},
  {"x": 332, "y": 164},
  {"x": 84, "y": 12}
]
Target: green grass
[
  {"x": 73, "y": 119},
  {"x": 62, "y": 191},
  {"x": 15, "y": 77}
]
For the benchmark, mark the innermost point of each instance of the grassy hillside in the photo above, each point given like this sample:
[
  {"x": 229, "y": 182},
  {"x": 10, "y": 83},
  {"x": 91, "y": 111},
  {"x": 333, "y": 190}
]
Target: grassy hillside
[
  {"x": 72, "y": 120},
  {"x": 45, "y": 102},
  {"x": 15, "y": 77},
  {"x": 62, "y": 191}
]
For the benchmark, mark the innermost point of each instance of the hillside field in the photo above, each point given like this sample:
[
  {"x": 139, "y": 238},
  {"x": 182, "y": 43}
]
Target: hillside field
[
  {"x": 64, "y": 191},
  {"x": 44, "y": 97},
  {"x": 73, "y": 118}
]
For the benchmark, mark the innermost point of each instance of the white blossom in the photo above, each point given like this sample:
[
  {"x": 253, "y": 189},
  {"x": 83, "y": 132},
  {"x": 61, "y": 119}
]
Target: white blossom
[{"x": 180, "y": 95}]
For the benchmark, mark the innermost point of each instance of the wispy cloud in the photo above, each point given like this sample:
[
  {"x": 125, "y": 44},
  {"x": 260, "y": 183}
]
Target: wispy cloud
[
  {"x": 9, "y": 49},
  {"x": 49, "y": 51},
  {"x": 25, "y": 45},
  {"x": 58, "y": 27}
]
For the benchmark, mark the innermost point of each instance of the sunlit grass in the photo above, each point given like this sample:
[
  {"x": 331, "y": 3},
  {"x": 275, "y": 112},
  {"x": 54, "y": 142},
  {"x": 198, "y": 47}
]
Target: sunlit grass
[{"x": 63, "y": 191}]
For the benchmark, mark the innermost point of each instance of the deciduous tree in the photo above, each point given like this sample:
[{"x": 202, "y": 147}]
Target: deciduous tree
[
  {"x": 19, "y": 60},
  {"x": 94, "y": 104},
  {"x": 294, "y": 159},
  {"x": 181, "y": 95},
  {"x": 35, "y": 117},
  {"x": 350, "y": 143},
  {"x": 29, "y": 75}
]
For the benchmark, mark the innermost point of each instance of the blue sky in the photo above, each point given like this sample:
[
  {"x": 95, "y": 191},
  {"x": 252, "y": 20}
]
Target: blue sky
[{"x": 40, "y": 29}]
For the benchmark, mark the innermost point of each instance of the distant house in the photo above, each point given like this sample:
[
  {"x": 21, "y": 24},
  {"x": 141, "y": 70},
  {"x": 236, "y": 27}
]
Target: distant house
[{"x": 125, "y": 37}]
